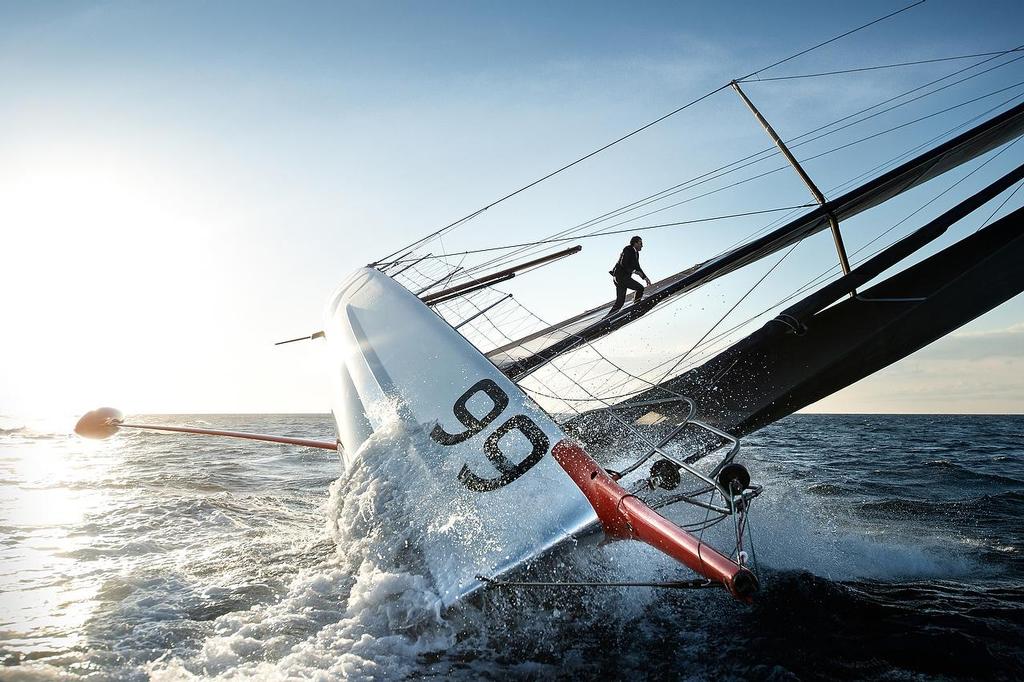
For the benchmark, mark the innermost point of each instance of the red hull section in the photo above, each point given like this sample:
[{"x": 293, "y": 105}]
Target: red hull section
[{"x": 625, "y": 516}]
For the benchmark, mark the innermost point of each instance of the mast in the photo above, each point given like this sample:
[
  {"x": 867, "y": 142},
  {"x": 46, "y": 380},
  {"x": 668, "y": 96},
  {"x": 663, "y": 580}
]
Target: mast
[{"x": 815, "y": 192}]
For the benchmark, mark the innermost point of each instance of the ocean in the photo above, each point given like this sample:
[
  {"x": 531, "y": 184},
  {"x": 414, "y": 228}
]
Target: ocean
[{"x": 889, "y": 547}]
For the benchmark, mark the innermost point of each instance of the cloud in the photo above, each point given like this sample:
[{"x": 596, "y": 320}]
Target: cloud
[
  {"x": 999, "y": 343},
  {"x": 967, "y": 372}
]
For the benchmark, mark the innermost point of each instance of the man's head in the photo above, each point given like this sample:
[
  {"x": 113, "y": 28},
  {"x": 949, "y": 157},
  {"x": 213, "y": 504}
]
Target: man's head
[{"x": 636, "y": 243}]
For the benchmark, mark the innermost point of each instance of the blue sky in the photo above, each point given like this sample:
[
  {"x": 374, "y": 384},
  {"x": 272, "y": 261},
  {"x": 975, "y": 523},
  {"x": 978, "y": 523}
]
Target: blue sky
[{"x": 182, "y": 184}]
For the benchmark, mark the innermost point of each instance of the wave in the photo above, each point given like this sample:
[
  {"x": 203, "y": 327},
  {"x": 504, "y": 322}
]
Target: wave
[
  {"x": 367, "y": 612},
  {"x": 827, "y": 490},
  {"x": 976, "y": 638},
  {"x": 1010, "y": 500},
  {"x": 793, "y": 529},
  {"x": 971, "y": 473}
]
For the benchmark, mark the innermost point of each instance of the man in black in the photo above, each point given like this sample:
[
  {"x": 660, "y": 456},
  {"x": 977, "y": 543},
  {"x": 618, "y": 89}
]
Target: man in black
[{"x": 622, "y": 273}]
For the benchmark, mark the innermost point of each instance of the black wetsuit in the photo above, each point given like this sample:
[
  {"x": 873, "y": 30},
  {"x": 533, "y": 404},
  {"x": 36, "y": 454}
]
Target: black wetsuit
[{"x": 622, "y": 273}]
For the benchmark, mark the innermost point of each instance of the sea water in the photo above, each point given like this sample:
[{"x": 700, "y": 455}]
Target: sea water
[{"x": 888, "y": 547}]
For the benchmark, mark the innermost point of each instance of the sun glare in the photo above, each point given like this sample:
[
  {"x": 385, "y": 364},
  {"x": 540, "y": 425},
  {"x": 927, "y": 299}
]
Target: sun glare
[{"x": 95, "y": 243}]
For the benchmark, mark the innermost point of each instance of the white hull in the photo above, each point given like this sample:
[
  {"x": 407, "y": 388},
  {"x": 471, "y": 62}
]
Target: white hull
[{"x": 487, "y": 494}]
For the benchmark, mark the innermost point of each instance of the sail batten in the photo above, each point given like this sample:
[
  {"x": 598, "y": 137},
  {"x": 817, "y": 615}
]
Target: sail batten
[{"x": 521, "y": 357}]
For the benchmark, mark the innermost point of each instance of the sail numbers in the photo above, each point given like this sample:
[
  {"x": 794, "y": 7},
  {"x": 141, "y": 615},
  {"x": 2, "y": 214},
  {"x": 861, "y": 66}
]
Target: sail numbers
[{"x": 520, "y": 422}]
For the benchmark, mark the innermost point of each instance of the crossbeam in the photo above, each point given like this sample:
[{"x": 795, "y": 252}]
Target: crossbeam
[{"x": 815, "y": 192}]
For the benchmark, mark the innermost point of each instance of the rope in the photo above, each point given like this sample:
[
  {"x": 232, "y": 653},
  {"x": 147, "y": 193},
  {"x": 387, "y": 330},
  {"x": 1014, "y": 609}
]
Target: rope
[
  {"x": 750, "y": 539},
  {"x": 700, "y": 537},
  {"x": 695, "y": 584}
]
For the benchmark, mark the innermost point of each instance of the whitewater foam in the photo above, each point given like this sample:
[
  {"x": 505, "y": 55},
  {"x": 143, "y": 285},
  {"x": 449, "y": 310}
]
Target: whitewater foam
[{"x": 366, "y": 613}]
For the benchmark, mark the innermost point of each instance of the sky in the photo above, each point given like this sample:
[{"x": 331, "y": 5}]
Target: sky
[{"x": 183, "y": 184}]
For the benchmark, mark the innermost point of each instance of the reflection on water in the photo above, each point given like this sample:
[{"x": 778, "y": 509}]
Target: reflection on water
[{"x": 47, "y": 491}]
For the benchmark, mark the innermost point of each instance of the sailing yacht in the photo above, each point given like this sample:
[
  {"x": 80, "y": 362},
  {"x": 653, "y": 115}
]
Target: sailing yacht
[{"x": 524, "y": 442}]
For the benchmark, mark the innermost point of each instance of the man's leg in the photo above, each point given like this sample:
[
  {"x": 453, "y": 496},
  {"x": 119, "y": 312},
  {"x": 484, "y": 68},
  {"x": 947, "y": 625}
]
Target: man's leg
[
  {"x": 620, "y": 297},
  {"x": 637, "y": 287}
]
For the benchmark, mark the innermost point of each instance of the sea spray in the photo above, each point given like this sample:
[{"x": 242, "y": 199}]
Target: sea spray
[
  {"x": 367, "y": 612},
  {"x": 795, "y": 527}
]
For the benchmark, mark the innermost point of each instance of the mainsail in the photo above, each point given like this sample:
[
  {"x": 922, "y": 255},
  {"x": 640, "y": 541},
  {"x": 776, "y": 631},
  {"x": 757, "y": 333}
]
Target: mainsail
[{"x": 521, "y": 357}]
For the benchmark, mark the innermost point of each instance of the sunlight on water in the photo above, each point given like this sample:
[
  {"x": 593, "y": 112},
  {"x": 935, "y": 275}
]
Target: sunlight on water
[{"x": 47, "y": 493}]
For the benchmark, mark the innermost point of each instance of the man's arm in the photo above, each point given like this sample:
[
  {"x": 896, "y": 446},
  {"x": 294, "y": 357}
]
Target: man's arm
[{"x": 637, "y": 268}]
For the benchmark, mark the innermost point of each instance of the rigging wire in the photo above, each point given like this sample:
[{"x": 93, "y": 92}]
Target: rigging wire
[
  {"x": 882, "y": 66},
  {"x": 642, "y": 128},
  {"x": 710, "y": 346},
  {"x": 768, "y": 172},
  {"x": 752, "y": 159},
  {"x": 831, "y": 40},
  {"x": 695, "y": 584},
  {"x": 735, "y": 305},
  {"x": 1000, "y": 207},
  {"x": 918, "y": 120},
  {"x": 553, "y": 173},
  {"x": 912, "y": 91},
  {"x": 833, "y": 270},
  {"x": 605, "y": 234},
  {"x": 895, "y": 106}
]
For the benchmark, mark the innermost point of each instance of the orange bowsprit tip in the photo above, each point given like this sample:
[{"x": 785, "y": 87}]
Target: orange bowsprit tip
[{"x": 101, "y": 423}]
